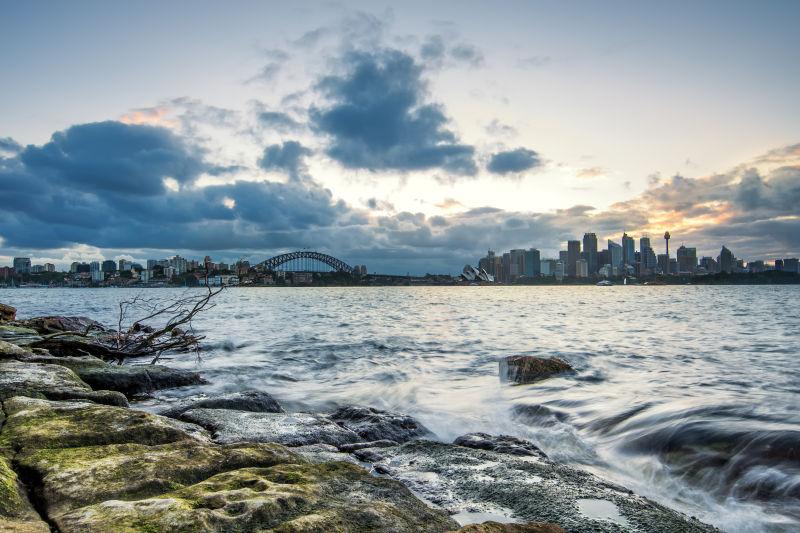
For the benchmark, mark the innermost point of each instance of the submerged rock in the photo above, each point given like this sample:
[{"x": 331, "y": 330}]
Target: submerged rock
[
  {"x": 137, "y": 379},
  {"x": 7, "y": 313},
  {"x": 290, "y": 429},
  {"x": 500, "y": 444},
  {"x": 374, "y": 424},
  {"x": 53, "y": 382},
  {"x": 252, "y": 401},
  {"x": 497, "y": 527},
  {"x": 529, "y": 369},
  {"x": 464, "y": 479},
  {"x": 43, "y": 424}
]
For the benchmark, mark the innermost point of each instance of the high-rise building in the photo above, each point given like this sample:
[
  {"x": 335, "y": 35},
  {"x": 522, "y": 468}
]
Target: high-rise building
[
  {"x": 628, "y": 250},
  {"x": 687, "y": 259},
  {"x": 109, "y": 266},
  {"x": 532, "y": 263},
  {"x": 573, "y": 254},
  {"x": 516, "y": 266},
  {"x": 559, "y": 271},
  {"x": 791, "y": 265},
  {"x": 582, "y": 268},
  {"x": 644, "y": 242},
  {"x": 124, "y": 265},
  {"x": 94, "y": 266},
  {"x": 22, "y": 265},
  {"x": 709, "y": 265},
  {"x": 73, "y": 268},
  {"x": 726, "y": 260},
  {"x": 615, "y": 251},
  {"x": 49, "y": 267},
  {"x": 590, "y": 252},
  {"x": 663, "y": 264}
]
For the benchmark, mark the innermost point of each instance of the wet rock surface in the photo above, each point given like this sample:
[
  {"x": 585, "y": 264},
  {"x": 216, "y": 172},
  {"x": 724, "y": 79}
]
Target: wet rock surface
[
  {"x": 137, "y": 379},
  {"x": 16, "y": 511},
  {"x": 52, "y": 382},
  {"x": 499, "y": 444},
  {"x": 252, "y": 401},
  {"x": 290, "y": 429},
  {"x": 530, "y": 369},
  {"x": 54, "y": 324},
  {"x": 497, "y": 527},
  {"x": 374, "y": 424},
  {"x": 7, "y": 313},
  {"x": 528, "y": 487}
]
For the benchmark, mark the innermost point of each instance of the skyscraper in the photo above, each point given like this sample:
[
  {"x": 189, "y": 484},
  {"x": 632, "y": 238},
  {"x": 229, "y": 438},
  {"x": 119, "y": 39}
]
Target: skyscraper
[
  {"x": 687, "y": 259},
  {"x": 590, "y": 252},
  {"x": 628, "y": 250},
  {"x": 726, "y": 260},
  {"x": 573, "y": 254},
  {"x": 532, "y": 263},
  {"x": 22, "y": 265},
  {"x": 615, "y": 251}
]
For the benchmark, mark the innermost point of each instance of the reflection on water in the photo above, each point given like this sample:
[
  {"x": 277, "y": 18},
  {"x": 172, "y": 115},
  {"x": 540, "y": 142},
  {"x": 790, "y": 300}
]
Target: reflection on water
[{"x": 686, "y": 394}]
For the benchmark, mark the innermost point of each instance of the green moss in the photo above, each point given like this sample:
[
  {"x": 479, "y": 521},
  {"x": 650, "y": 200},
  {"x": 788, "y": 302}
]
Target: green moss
[{"x": 10, "y": 500}]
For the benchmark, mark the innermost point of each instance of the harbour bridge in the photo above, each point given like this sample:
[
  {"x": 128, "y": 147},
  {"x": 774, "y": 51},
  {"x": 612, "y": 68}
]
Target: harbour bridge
[{"x": 306, "y": 261}]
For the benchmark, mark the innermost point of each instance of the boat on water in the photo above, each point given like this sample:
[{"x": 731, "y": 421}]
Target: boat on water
[{"x": 604, "y": 283}]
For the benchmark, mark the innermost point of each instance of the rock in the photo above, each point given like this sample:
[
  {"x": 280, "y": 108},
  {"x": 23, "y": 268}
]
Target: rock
[
  {"x": 252, "y": 401},
  {"x": 349, "y": 448},
  {"x": 53, "y": 324},
  {"x": 43, "y": 424},
  {"x": 287, "y": 497},
  {"x": 12, "y": 351},
  {"x": 323, "y": 453},
  {"x": 529, "y": 369},
  {"x": 18, "y": 335},
  {"x": 53, "y": 382},
  {"x": 497, "y": 527},
  {"x": 76, "y": 477},
  {"x": 500, "y": 444},
  {"x": 7, "y": 313},
  {"x": 530, "y": 488},
  {"x": 76, "y": 364},
  {"x": 374, "y": 424},
  {"x": 137, "y": 379},
  {"x": 16, "y": 512},
  {"x": 292, "y": 429},
  {"x": 78, "y": 346}
]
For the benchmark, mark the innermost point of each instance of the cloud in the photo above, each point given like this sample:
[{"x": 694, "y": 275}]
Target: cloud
[
  {"x": 275, "y": 60},
  {"x": 498, "y": 129},
  {"x": 534, "y": 61},
  {"x": 278, "y": 121},
  {"x": 287, "y": 157},
  {"x": 436, "y": 52},
  {"x": 114, "y": 157},
  {"x": 9, "y": 146},
  {"x": 591, "y": 172},
  {"x": 377, "y": 118},
  {"x": 513, "y": 161},
  {"x": 468, "y": 54},
  {"x": 449, "y": 203}
]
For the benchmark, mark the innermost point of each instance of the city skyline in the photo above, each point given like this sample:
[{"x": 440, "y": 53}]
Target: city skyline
[{"x": 408, "y": 139}]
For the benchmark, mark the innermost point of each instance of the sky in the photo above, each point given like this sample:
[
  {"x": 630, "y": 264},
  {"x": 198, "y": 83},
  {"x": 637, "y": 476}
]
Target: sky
[{"x": 408, "y": 136}]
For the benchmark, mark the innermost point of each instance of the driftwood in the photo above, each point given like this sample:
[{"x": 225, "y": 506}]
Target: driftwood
[{"x": 134, "y": 336}]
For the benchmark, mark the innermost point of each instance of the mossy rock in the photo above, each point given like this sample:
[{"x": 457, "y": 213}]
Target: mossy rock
[
  {"x": 36, "y": 424},
  {"x": 9, "y": 350},
  {"x": 53, "y": 382},
  {"x": 18, "y": 335},
  {"x": 497, "y": 527},
  {"x": 75, "y": 477},
  {"x": 16, "y": 512},
  {"x": 301, "y": 497}
]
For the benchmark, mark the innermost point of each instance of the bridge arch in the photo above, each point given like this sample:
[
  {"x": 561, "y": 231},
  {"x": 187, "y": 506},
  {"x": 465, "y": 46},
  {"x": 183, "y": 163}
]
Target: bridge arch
[{"x": 337, "y": 264}]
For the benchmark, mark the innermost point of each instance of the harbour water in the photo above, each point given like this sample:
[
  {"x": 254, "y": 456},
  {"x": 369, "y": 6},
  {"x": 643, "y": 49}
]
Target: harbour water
[{"x": 689, "y": 395}]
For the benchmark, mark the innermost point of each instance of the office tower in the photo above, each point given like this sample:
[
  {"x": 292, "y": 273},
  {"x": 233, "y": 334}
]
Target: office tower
[
  {"x": 559, "y": 271},
  {"x": 582, "y": 268},
  {"x": 532, "y": 263},
  {"x": 726, "y": 260},
  {"x": 573, "y": 254},
  {"x": 791, "y": 265},
  {"x": 516, "y": 266},
  {"x": 687, "y": 259},
  {"x": 49, "y": 267},
  {"x": 644, "y": 242},
  {"x": 628, "y": 250},
  {"x": 590, "y": 252},
  {"x": 615, "y": 251},
  {"x": 22, "y": 265},
  {"x": 94, "y": 266}
]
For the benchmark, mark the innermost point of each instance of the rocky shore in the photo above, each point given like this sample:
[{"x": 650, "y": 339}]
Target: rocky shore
[{"x": 76, "y": 455}]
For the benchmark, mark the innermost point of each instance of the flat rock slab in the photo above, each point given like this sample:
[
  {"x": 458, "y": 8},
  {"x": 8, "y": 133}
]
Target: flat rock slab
[
  {"x": 374, "y": 424},
  {"x": 529, "y": 488},
  {"x": 42, "y": 424},
  {"x": 75, "y": 477},
  {"x": 305, "y": 497},
  {"x": 18, "y": 334},
  {"x": 137, "y": 379},
  {"x": 53, "y": 382},
  {"x": 53, "y": 324},
  {"x": 252, "y": 401},
  {"x": 530, "y": 369},
  {"x": 289, "y": 429}
]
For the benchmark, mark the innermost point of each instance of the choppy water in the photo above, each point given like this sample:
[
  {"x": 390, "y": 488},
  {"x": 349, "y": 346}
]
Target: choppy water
[{"x": 689, "y": 395}]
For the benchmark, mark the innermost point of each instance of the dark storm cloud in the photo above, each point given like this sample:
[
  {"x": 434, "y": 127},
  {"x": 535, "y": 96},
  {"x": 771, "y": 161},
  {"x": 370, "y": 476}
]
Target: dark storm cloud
[
  {"x": 513, "y": 161},
  {"x": 114, "y": 157},
  {"x": 287, "y": 157},
  {"x": 377, "y": 118}
]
